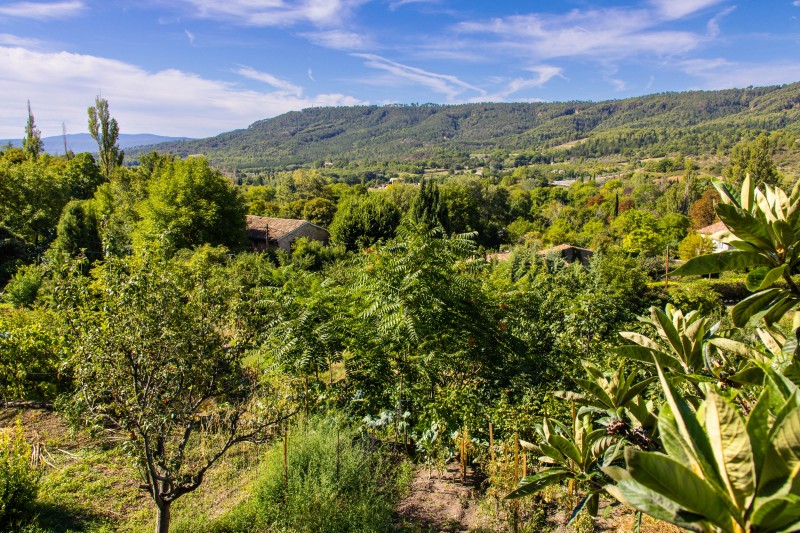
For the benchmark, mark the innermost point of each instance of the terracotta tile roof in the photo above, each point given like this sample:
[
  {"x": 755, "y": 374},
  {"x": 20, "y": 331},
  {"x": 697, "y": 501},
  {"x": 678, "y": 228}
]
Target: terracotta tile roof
[
  {"x": 272, "y": 229},
  {"x": 713, "y": 228},
  {"x": 561, "y": 248}
]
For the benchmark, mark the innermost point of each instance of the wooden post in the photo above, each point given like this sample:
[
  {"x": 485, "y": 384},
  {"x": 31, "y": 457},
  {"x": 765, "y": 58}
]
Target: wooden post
[
  {"x": 666, "y": 269},
  {"x": 491, "y": 442},
  {"x": 285, "y": 455}
]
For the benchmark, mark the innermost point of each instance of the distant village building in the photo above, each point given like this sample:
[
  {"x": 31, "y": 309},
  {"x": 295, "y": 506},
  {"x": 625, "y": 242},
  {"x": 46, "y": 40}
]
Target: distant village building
[
  {"x": 570, "y": 253},
  {"x": 567, "y": 252},
  {"x": 267, "y": 233},
  {"x": 714, "y": 232}
]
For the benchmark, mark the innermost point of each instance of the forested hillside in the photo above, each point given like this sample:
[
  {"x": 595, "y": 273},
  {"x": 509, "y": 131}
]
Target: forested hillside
[{"x": 691, "y": 122}]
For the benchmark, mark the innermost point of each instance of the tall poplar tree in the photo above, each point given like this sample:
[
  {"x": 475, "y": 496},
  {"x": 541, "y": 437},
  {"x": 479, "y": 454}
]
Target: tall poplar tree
[
  {"x": 32, "y": 143},
  {"x": 105, "y": 131}
]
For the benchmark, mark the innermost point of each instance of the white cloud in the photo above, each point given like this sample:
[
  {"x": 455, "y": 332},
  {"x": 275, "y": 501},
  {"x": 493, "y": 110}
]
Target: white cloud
[
  {"x": 399, "y": 3},
  {"x": 675, "y": 9},
  {"x": 598, "y": 33},
  {"x": 42, "y": 10},
  {"x": 339, "y": 39},
  {"x": 544, "y": 74},
  {"x": 190, "y": 36},
  {"x": 445, "y": 84},
  {"x": 311, "y": 75},
  {"x": 267, "y": 13},
  {"x": 723, "y": 74},
  {"x": 273, "y": 81},
  {"x": 6, "y": 39},
  {"x": 167, "y": 102}
]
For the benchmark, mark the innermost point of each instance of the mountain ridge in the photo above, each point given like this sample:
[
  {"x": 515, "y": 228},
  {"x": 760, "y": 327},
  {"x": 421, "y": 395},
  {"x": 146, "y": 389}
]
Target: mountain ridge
[{"x": 682, "y": 121}]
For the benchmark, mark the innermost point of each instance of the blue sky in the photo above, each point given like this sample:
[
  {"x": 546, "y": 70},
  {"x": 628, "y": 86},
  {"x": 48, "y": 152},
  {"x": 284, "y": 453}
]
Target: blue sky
[{"x": 201, "y": 67}]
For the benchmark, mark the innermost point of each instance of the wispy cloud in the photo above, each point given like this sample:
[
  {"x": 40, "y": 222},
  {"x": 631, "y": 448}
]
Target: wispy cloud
[
  {"x": 544, "y": 73},
  {"x": 168, "y": 102},
  {"x": 400, "y": 3},
  {"x": 6, "y": 39},
  {"x": 445, "y": 84},
  {"x": 676, "y": 9},
  {"x": 719, "y": 73},
  {"x": 273, "y": 81},
  {"x": 190, "y": 36},
  {"x": 266, "y": 13},
  {"x": 42, "y": 10},
  {"x": 340, "y": 39}
]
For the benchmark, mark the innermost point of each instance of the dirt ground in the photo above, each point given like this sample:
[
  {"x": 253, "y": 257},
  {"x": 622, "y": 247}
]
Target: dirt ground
[{"x": 442, "y": 502}]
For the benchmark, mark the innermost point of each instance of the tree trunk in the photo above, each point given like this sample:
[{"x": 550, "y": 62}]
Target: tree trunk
[{"x": 162, "y": 518}]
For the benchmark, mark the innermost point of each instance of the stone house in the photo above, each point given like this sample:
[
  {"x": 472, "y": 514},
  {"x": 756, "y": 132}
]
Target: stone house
[{"x": 267, "y": 233}]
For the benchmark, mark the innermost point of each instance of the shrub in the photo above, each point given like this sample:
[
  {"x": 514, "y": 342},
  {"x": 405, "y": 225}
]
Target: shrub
[
  {"x": 697, "y": 295},
  {"x": 19, "y": 481},
  {"x": 23, "y": 288},
  {"x": 335, "y": 484}
]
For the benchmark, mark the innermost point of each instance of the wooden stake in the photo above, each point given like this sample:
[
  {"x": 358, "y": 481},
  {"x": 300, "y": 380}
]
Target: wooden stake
[
  {"x": 666, "y": 268},
  {"x": 491, "y": 442},
  {"x": 285, "y": 454}
]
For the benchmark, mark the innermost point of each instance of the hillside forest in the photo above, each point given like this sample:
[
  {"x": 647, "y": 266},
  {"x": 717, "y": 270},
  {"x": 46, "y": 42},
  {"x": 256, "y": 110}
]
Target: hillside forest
[{"x": 155, "y": 371}]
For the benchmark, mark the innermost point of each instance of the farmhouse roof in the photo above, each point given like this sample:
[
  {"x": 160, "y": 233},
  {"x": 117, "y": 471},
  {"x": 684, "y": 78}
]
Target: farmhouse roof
[
  {"x": 562, "y": 247},
  {"x": 713, "y": 228},
  {"x": 273, "y": 229}
]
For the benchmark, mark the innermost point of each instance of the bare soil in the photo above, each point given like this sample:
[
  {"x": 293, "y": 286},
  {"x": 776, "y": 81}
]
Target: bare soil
[{"x": 442, "y": 502}]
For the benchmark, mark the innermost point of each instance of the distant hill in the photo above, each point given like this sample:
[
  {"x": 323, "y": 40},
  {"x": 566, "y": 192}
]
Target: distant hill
[
  {"x": 689, "y": 122},
  {"x": 83, "y": 142}
]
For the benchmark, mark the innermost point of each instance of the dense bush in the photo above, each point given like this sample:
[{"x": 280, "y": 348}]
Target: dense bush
[
  {"x": 22, "y": 289},
  {"x": 19, "y": 481},
  {"x": 697, "y": 295},
  {"x": 335, "y": 484}
]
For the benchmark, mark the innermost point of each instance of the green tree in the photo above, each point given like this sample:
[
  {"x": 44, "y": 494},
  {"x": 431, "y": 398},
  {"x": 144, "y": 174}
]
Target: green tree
[
  {"x": 32, "y": 144},
  {"x": 160, "y": 363},
  {"x": 426, "y": 208},
  {"x": 319, "y": 211},
  {"x": 363, "y": 220},
  {"x": 79, "y": 230},
  {"x": 189, "y": 204},
  {"x": 105, "y": 131},
  {"x": 753, "y": 158}
]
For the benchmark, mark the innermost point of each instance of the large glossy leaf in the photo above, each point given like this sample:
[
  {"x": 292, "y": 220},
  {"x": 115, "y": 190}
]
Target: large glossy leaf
[
  {"x": 596, "y": 390},
  {"x": 786, "y": 440},
  {"x": 730, "y": 443},
  {"x": 758, "y": 428},
  {"x": 566, "y": 447},
  {"x": 768, "y": 280},
  {"x": 777, "y": 514},
  {"x": 645, "y": 355},
  {"x": 668, "y": 330},
  {"x": 745, "y": 226},
  {"x": 533, "y": 484},
  {"x": 678, "y": 483},
  {"x": 639, "y": 497},
  {"x": 753, "y": 304},
  {"x": 721, "y": 262},
  {"x": 694, "y": 439},
  {"x": 640, "y": 339}
]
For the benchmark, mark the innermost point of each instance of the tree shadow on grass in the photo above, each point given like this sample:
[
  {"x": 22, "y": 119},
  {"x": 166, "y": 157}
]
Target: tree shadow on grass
[{"x": 60, "y": 519}]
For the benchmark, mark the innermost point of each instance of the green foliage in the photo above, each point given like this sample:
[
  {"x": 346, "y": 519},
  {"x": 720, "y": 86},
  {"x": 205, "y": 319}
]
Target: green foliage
[
  {"x": 700, "y": 295},
  {"x": 32, "y": 144},
  {"x": 190, "y": 204},
  {"x": 159, "y": 360},
  {"x": 78, "y": 231},
  {"x": 764, "y": 230},
  {"x": 719, "y": 471},
  {"x": 364, "y": 220},
  {"x": 426, "y": 208},
  {"x": 335, "y": 483},
  {"x": 19, "y": 481},
  {"x": 320, "y": 211},
  {"x": 23, "y": 288},
  {"x": 694, "y": 245},
  {"x": 105, "y": 131},
  {"x": 30, "y": 357}
]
